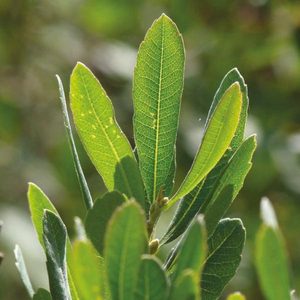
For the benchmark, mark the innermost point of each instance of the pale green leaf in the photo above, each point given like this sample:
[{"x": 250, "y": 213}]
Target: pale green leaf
[
  {"x": 104, "y": 141},
  {"x": 157, "y": 90},
  {"x": 20, "y": 264},
  {"x": 38, "y": 203},
  {"x": 55, "y": 241},
  {"x": 97, "y": 218},
  {"x": 42, "y": 294},
  {"x": 153, "y": 283},
  {"x": 88, "y": 270},
  {"x": 186, "y": 287},
  {"x": 217, "y": 138},
  {"x": 236, "y": 296},
  {"x": 125, "y": 242},
  {"x": 224, "y": 255},
  {"x": 80, "y": 175},
  {"x": 271, "y": 257}
]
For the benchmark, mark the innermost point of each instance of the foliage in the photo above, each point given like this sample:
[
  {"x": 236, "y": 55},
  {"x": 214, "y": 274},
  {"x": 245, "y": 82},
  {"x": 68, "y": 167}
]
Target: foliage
[{"x": 121, "y": 245}]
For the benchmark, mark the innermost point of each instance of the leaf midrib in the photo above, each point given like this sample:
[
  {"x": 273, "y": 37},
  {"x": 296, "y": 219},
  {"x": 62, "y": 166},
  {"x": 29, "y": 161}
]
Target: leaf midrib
[
  {"x": 106, "y": 136},
  {"x": 158, "y": 112}
]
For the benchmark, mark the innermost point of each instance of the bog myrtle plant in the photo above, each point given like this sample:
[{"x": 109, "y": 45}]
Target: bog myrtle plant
[{"x": 115, "y": 255}]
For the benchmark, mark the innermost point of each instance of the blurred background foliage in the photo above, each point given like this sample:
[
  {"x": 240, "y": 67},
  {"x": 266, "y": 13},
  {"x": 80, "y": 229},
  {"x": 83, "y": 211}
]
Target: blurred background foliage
[{"x": 41, "y": 38}]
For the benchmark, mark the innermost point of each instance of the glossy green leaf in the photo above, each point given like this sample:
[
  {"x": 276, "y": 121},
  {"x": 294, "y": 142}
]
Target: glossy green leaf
[
  {"x": 97, "y": 218},
  {"x": 42, "y": 294},
  {"x": 55, "y": 241},
  {"x": 157, "y": 90},
  {"x": 186, "y": 287},
  {"x": 214, "y": 199},
  {"x": 271, "y": 257},
  {"x": 105, "y": 143},
  {"x": 217, "y": 138},
  {"x": 153, "y": 282},
  {"x": 80, "y": 175},
  {"x": 236, "y": 296},
  {"x": 224, "y": 255},
  {"x": 231, "y": 77},
  {"x": 38, "y": 203},
  {"x": 88, "y": 270},
  {"x": 125, "y": 242},
  {"x": 192, "y": 250},
  {"x": 20, "y": 264}
]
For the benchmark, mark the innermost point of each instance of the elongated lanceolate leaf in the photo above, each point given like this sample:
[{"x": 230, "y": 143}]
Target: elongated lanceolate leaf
[
  {"x": 224, "y": 256},
  {"x": 153, "y": 283},
  {"x": 81, "y": 178},
  {"x": 125, "y": 242},
  {"x": 271, "y": 257},
  {"x": 157, "y": 90},
  {"x": 20, "y": 264},
  {"x": 213, "y": 201},
  {"x": 97, "y": 218},
  {"x": 186, "y": 287},
  {"x": 42, "y": 294},
  {"x": 105, "y": 143},
  {"x": 192, "y": 250},
  {"x": 88, "y": 270},
  {"x": 231, "y": 77},
  {"x": 55, "y": 240},
  {"x": 38, "y": 202},
  {"x": 217, "y": 138}
]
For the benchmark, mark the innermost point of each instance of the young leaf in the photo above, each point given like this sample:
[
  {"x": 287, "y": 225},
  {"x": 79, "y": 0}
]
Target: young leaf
[
  {"x": 38, "y": 203},
  {"x": 125, "y": 242},
  {"x": 157, "y": 90},
  {"x": 271, "y": 258},
  {"x": 214, "y": 199},
  {"x": 88, "y": 270},
  {"x": 236, "y": 296},
  {"x": 192, "y": 250},
  {"x": 217, "y": 138},
  {"x": 186, "y": 287},
  {"x": 81, "y": 178},
  {"x": 55, "y": 240},
  {"x": 97, "y": 218},
  {"x": 20, "y": 264},
  {"x": 231, "y": 77},
  {"x": 225, "y": 249},
  {"x": 152, "y": 283},
  {"x": 42, "y": 294},
  {"x": 105, "y": 143}
]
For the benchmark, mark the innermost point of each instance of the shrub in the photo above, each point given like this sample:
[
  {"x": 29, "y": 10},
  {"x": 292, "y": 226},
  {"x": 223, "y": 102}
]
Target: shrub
[{"x": 115, "y": 255}]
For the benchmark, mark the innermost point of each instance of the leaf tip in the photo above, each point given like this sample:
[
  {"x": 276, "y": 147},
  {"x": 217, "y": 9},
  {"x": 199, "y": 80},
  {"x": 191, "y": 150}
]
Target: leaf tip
[{"x": 268, "y": 214}]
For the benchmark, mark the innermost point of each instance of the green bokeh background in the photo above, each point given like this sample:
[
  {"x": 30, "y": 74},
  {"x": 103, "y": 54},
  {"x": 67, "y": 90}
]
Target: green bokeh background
[{"x": 41, "y": 38}]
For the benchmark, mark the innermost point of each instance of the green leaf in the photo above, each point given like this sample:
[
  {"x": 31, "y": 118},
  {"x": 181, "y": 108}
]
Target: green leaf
[
  {"x": 42, "y": 294},
  {"x": 231, "y": 77},
  {"x": 80, "y": 175},
  {"x": 236, "y": 296},
  {"x": 271, "y": 256},
  {"x": 214, "y": 199},
  {"x": 20, "y": 264},
  {"x": 186, "y": 287},
  {"x": 88, "y": 270},
  {"x": 192, "y": 250},
  {"x": 169, "y": 185},
  {"x": 152, "y": 283},
  {"x": 38, "y": 203},
  {"x": 97, "y": 218},
  {"x": 55, "y": 240},
  {"x": 217, "y": 138},
  {"x": 157, "y": 90},
  {"x": 104, "y": 141},
  {"x": 125, "y": 242},
  {"x": 225, "y": 249}
]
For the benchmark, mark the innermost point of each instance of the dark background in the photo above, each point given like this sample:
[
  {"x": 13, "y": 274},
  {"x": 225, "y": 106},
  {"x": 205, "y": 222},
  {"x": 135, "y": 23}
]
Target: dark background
[{"x": 41, "y": 38}]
